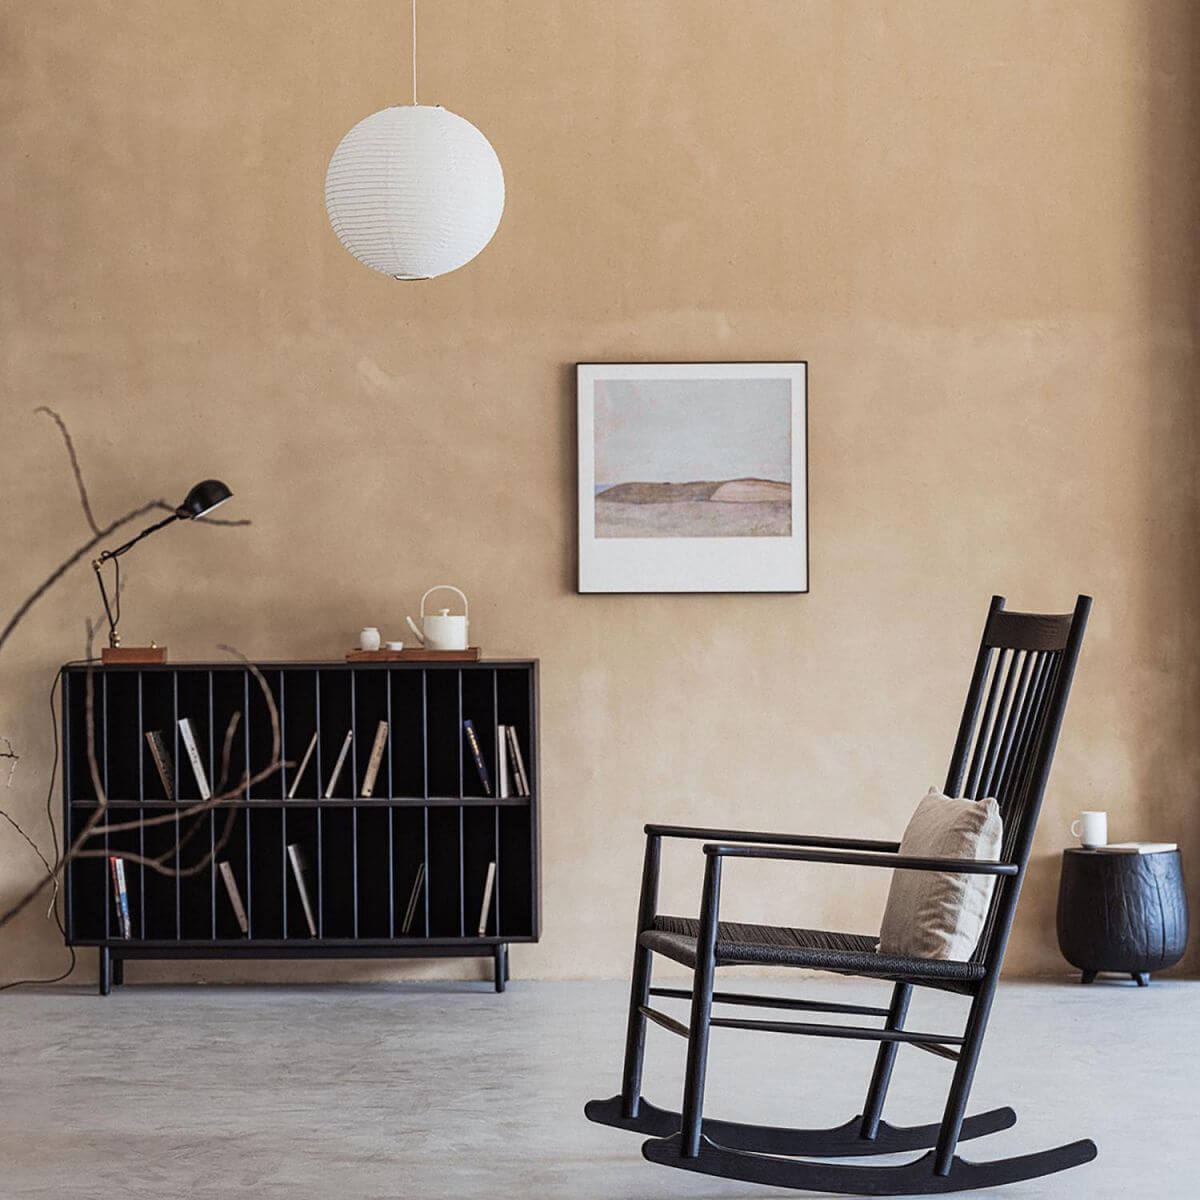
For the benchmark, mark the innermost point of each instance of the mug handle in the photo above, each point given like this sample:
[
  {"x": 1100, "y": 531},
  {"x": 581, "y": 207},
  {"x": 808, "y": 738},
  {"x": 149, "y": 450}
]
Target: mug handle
[{"x": 1074, "y": 827}]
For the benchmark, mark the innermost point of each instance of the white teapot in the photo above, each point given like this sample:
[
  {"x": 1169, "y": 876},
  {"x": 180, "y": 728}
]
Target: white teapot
[{"x": 441, "y": 630}]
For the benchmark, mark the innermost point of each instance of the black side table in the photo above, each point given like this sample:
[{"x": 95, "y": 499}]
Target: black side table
[{"x": 1122, "y": 912}]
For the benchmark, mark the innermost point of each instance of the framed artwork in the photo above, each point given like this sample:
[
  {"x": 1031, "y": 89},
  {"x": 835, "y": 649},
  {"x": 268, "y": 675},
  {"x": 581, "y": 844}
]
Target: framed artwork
[{"x": 693, "y": 477}]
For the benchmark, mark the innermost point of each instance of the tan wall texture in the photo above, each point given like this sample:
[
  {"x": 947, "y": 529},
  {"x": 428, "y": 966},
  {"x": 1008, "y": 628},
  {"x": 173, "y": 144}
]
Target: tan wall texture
[{"x": 977, "y": 222}]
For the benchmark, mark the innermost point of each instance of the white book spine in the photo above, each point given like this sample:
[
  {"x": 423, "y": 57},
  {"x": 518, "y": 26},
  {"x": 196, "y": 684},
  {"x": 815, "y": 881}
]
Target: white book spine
[
  {"x": 376, "y": 759},
  {"x": 502, "y": 759},
  {"x": 519, "y": 760},
  {"x": 488, "y": 888},
  {"x": 297, "y": 862},
  {"x": 337, "y": 766},
  {"x": 312, "y": 745},
  {"x": 235, "y": 896},
  {"x": 193, "y": 753}
]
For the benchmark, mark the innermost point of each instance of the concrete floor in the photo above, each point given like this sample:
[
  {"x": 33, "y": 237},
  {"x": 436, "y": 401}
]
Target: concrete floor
[{"x": 452, "y": 1091}]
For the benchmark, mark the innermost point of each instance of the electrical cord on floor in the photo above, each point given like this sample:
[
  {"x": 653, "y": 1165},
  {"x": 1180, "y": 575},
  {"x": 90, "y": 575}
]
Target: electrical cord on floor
[{"x": 4, "y": 987}]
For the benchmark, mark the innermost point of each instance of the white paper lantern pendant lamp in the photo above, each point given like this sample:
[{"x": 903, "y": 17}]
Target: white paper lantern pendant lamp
[{"x": 414, "y": 191}]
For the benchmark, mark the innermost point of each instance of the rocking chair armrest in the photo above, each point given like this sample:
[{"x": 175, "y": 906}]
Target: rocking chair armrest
[
  {"x": 770, "y": 839},
  {"x": 958, "y": 866}
]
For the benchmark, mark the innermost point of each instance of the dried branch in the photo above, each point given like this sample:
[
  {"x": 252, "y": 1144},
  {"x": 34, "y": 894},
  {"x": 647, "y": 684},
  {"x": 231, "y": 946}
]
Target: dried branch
[
  {"x": 95, "y": 826},
  {"x": 9, "y": 753}
]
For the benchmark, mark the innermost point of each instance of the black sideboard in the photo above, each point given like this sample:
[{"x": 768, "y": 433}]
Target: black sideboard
[{"x": 363, "y": 853}]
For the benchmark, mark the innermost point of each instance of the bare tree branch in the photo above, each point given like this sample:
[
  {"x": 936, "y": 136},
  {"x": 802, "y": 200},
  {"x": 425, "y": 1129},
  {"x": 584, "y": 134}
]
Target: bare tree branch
[{"x": 95, "y": 826}]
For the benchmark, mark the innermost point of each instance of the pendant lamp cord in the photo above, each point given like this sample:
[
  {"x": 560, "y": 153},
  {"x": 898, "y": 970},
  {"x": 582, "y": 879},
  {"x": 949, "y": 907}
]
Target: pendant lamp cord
[{"x": 414, "y": 50}]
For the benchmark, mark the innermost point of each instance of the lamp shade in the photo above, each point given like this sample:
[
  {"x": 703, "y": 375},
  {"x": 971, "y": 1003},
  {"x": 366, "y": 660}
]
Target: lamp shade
[
  {"x": 414, "y": 191},
  {"x": 203, "y": 498}
]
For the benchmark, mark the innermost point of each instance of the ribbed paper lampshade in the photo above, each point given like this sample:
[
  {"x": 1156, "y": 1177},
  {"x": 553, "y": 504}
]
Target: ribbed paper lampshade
[{"x": 414, "y": 191}]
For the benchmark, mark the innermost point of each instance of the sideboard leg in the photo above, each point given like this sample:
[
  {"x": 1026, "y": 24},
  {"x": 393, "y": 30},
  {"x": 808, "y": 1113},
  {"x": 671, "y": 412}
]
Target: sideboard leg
[
  {"x": 500, "y": 966},
  {"x": 105, "y": 971},
  {"x": 1141, "y": 978},
  {"x": 1088, "y": 977},
  {"x": 118, "y": 971}
]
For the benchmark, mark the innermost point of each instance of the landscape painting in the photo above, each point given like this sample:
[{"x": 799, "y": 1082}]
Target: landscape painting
[
  {"x": 692, "y": 477},
  {"x": 693, "y": 458}
]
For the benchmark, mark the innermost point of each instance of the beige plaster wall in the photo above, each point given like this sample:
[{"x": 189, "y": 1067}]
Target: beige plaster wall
[{"x": 977, "y": 222}]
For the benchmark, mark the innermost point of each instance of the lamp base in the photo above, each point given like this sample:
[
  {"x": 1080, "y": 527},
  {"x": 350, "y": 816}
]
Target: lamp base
[{"x": 111, "y": 655}]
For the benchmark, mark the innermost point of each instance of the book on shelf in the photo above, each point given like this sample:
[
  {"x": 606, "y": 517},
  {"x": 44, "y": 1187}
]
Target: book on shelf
[
  {"x": 477, "y": 754},
  {"x": 502, "y": 766},
  {"x": 341, "y": 762},
  {"x": 299, "y": 866},
  {"x": 312, "y": 745},
  {"x": 193, "y": 752},
  {"x": 518, "y": 761},
  {"x": 235, "y": 896},
  {"x": 121, "y": 896},
  {"x": 488, "y": 888},
  {"x": 414, "y": 896},
  {"x": 163, "y": 761},
  {"x": 369, "y": 776},
  {"x": 1138, "y": 847}
]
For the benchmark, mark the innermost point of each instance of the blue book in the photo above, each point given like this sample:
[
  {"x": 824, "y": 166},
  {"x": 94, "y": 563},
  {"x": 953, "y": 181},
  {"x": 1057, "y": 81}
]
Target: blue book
[
  {"x": 477, "y": 755},
  {"x": 121, "y": 896}
]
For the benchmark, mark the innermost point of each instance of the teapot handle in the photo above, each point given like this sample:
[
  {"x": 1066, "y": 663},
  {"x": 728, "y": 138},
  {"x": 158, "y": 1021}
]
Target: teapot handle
[{"x": 450, "y": 588}]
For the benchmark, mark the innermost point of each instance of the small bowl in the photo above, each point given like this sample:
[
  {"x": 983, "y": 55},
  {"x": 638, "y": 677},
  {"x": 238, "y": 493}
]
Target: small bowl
[{"x": 393, "y": 645}]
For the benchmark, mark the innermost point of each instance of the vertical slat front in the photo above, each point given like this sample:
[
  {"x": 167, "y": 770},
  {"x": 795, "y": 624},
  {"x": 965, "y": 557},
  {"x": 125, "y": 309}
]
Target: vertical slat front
[
  {"x": 425, "y": 778},
  {"x": 65, "y": 697},
  {"x": 353, "y": 793},
  {"x": 106, "y": 874},
  {"x": 998, "y": 767},
  {"x": 496, "y": 808},
  {"x": 248, "y": 899},
  {"x": 983, "y": 732},
  {"x": 462, "y": 918},
  {"x": 391, "y": 833},
  {"x": 284, "y": 784},
  {"x": 141, "y": 758},
  {"x": 178, "y": 793},
  {"x": 320, "y": 833},
  {"x": 958, "y": 759},
  {"x": 212, "y": 815}
]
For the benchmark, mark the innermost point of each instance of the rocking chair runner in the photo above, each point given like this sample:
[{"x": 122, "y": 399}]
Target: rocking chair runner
[{"x": 1005, "y": 746}]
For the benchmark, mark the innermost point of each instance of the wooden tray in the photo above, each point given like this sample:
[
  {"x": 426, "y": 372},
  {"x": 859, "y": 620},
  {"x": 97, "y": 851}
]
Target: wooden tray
[
  {"x": 470, "y": 654},
  {"x": 133, "y": 654}
]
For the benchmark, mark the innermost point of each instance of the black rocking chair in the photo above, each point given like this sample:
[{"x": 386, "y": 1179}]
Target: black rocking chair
[{"x": 1005, "y": 746}]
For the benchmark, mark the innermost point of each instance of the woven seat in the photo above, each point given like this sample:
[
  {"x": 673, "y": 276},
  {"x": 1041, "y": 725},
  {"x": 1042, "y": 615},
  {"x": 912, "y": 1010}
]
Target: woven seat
[{"x": 817, "y": 949}]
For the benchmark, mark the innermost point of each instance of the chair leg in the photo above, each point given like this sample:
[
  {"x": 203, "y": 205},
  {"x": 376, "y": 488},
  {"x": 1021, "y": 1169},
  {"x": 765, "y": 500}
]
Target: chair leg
[
  {"x": 104, "y": 983},
  {"x": 639, "y": 986},
  {"x": 692, "y": 1113},
  {"x": 964, "y": 1074},
  {"x": 885, "y": 1059},
  {"x": 635, "y": 1033}
]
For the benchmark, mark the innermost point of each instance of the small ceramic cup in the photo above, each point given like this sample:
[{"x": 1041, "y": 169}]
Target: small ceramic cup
[
  {"x": 1091, "y": 829},
  {"x": 395, "y": 645},
  {"x": 368, "y": 639}
]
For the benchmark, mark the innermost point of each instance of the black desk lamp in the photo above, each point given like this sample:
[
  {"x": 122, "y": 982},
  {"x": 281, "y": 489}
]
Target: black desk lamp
[{"x": 202, "y": 499}]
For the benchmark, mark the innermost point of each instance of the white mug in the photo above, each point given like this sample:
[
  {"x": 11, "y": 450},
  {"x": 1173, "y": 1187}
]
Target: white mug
[{"x": 1091, "y": 829}]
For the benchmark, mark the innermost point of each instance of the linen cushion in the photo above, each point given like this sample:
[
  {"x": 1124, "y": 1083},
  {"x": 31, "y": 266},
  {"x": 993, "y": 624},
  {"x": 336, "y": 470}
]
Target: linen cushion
[{"x": 935, "y": 914}]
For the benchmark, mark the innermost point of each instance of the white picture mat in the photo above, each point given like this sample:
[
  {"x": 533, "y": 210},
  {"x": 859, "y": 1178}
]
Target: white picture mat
[{"x": 693, "y": 564}]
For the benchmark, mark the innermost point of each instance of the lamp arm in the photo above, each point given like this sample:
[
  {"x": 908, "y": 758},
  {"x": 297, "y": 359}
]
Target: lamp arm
[
  {"x": 105, "y": 555},
  {"x": 112, "y": 610}
]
